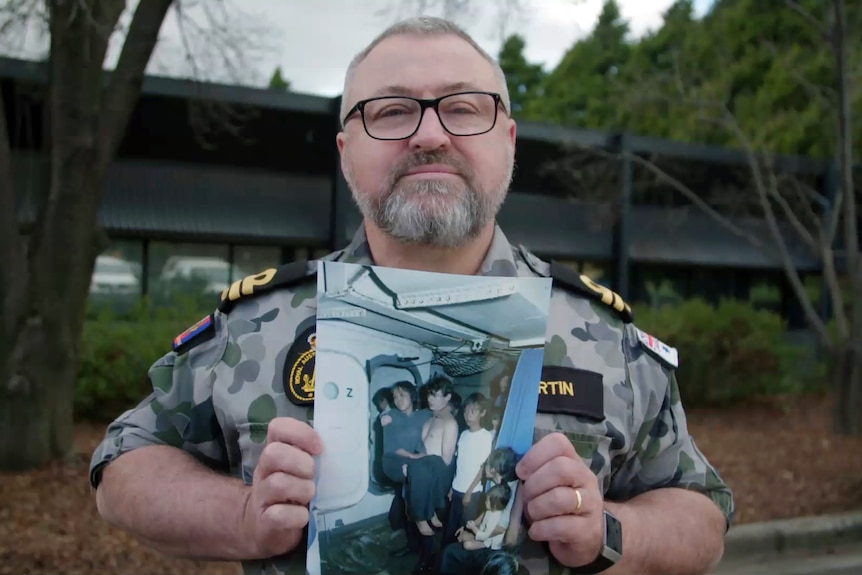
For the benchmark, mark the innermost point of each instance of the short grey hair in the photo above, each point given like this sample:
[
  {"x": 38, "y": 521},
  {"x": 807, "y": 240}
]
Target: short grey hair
[{"x": 421, "y": 26}]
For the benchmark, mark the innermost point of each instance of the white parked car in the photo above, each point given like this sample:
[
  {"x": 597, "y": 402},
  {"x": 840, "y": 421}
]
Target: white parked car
[
  {"x": 114, "y": 276},
  {"x": 214, "y": 272}
]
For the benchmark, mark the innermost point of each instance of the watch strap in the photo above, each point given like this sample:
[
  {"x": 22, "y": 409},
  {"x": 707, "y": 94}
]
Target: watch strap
[{"x": 602, "y": 562}]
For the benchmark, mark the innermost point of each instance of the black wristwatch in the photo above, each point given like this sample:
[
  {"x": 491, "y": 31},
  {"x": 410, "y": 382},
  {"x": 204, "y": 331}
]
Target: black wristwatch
[{"x": 612, "y": 549}]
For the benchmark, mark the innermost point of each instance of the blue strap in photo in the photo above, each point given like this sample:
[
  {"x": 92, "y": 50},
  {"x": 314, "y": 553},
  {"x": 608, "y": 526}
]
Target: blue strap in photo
[{"x": 519, "y": 418}]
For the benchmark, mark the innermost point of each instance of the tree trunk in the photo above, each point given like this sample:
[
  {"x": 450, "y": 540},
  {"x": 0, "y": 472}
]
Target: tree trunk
[
  {"x": 36, "y": 420},
  {"x": 43, "y": 353},
  {"x": 40, "y": 340},
  {"x": 846, "y": 376}
]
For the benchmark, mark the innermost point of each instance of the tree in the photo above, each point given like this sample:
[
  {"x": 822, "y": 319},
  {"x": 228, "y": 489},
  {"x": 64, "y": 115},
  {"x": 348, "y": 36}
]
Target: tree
[
  {"x": 45, "y": 277},
  {"x": 277, "y": 82},
  {"x": 524, "y": 79},
  {"x": 580, "y": 90},
  {"x": 785, "y": 79},
  {"x": 658, "y": 53}
]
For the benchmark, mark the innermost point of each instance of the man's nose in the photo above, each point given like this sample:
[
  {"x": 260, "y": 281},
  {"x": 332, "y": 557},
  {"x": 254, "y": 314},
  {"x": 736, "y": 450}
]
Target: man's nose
[{"x": 430, "y": 135}]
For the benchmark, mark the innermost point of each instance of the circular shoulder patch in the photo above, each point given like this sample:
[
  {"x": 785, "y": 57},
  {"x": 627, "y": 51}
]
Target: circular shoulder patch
[{"x": 298, "y": 372}]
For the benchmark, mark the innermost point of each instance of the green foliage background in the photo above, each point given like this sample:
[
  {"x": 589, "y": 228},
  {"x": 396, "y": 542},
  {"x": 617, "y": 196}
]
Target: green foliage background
[{"x": 755, "y": 59}]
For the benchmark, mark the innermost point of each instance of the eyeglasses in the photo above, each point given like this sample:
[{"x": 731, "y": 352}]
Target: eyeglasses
[{"x": 399, "y": 117}]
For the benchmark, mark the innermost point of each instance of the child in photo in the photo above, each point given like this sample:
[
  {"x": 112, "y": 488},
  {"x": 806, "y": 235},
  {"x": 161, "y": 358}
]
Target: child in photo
[
  {"x": 485, "y": 534},
  {"x": 474, "y": 446}
]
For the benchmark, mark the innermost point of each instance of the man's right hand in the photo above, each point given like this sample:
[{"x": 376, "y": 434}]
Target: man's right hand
[{"x": 276, "y": 509}]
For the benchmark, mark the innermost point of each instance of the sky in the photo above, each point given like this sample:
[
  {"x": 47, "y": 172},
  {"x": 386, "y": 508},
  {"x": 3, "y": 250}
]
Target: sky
[
  {"x": 314, "y": 58},
  {"x": 314, "y": 40}
]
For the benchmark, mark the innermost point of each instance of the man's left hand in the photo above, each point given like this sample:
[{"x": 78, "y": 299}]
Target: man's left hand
[{"x": 554, "y": 475}]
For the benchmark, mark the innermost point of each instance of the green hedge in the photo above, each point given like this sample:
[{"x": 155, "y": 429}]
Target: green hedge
[
  {"x": 117, "y": 349},
  {"x": 727, "y": 353},
  {"x": 731, "y": 351}
]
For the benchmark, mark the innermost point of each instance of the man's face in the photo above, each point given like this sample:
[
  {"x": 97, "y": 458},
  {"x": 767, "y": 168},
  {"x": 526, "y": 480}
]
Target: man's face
[
  {"x": 437, "y": 401},
  {"x": 433, "y": 188}
]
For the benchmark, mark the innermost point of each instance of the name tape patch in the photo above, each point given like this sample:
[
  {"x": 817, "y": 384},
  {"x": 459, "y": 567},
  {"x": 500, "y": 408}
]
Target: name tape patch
[
  {"x": 666, "y": 353},
  {"x": 195, "y": 335},
  {"x": 298, "y": 372},
  {"x": 571, "y": 391}
]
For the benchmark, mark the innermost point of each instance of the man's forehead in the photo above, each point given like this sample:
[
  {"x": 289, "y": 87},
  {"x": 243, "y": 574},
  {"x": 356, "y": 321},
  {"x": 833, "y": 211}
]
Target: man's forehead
[
  {"x": 414, "y": 65},
  {"x": 446, "y": 88}
]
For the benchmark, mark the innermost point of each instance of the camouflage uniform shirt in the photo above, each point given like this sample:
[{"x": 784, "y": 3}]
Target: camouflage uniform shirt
[{"x": 214, "y": 400}]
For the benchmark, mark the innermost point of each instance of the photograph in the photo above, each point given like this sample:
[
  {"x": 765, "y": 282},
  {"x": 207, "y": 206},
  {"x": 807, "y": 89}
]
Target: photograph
[{"x": 426, "y": 388}]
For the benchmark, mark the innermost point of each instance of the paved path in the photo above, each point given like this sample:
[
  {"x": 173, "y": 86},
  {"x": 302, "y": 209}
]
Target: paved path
[{"x": 843, "y": 561}]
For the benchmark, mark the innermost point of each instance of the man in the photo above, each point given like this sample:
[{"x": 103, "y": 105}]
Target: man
[
  {"x": 429, "y": 474},
  {"x": 614, "y": 482}
]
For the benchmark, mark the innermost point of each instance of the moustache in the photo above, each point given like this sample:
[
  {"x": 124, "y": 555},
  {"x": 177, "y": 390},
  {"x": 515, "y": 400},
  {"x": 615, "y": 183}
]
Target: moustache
[{"x": 427, "y": 158}]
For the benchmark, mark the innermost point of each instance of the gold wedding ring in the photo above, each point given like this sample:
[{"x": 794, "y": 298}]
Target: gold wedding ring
[{"x": 580, "y": 500}]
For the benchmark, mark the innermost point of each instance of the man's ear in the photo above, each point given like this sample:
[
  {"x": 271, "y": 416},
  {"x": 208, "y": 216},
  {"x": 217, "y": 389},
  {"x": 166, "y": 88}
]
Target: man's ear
[
  {"x": 513, "y": 131},
  {"x": 340, "y": 142}
]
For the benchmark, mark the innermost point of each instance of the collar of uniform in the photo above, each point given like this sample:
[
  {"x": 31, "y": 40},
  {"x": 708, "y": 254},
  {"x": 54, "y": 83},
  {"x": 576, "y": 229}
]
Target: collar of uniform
[
  {"x": 499, "y": 260},
  {"x": 357, "y": 251}
]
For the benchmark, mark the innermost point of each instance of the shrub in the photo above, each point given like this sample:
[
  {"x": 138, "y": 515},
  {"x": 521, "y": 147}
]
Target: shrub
[
  {"x": 117, "y": 350},
  {"x": 727, "y": 352}
]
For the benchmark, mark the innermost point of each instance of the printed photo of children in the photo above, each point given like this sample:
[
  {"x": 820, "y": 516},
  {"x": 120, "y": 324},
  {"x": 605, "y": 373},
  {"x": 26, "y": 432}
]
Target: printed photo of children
[{"x": 425, "y": 408}]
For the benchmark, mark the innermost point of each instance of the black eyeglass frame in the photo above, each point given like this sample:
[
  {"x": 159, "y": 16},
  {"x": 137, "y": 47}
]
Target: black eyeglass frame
[{"x": 424, "y": 104}]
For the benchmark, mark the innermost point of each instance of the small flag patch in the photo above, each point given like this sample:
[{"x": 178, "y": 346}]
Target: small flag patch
[
  {"x": 668, "y": 354},
  {"x": 191, "y": 333}
]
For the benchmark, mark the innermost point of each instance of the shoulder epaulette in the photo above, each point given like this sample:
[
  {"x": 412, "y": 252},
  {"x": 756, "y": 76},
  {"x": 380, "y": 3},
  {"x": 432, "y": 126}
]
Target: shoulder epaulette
[
  {"x": 579, "y": 282},
  {"x": 271, "y": 279}
]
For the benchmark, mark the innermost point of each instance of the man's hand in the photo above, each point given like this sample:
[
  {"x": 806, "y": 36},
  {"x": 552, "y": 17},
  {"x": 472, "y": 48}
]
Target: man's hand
[
  {"x": 276, "y": 510},
  {"x": 553, "y": 476}
]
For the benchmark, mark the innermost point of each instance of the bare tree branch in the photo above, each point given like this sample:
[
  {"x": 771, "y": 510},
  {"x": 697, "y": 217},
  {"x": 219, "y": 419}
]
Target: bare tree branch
[
  {"x": 845, "y": 131},
  {"x": 818, "y": 26},
  {"x": 218, "y": 44},
  {"x": 18, "y": 18},
  {"x": 686, "y": 192},
  {"x": 823, "y": 94},
  {"x": 774, "y": 192},
  {"x": 831, "y": 276},
  {"x": 804, "y": 196},
  {"x": 790, "y": 270},
  {"x": 126, "y": 80},
  {"x": 835, "y": 215}
]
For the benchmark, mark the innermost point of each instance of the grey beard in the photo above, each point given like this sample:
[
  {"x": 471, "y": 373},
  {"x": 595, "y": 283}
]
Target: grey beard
[
  {"x": 431, "y": 213},
  {"x": 425, "y": 213}
]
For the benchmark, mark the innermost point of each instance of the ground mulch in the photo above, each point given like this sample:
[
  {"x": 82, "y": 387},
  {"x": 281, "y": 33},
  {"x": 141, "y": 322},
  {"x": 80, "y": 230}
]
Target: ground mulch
[{"x": 779, "y": 456}]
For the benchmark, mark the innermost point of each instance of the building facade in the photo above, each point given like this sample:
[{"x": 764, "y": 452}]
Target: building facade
[{"x": 193, "y": 205}]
